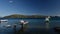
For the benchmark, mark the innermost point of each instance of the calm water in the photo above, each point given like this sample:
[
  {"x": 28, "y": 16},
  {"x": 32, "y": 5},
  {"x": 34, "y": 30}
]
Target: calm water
[{"x": 35, "y": 26}]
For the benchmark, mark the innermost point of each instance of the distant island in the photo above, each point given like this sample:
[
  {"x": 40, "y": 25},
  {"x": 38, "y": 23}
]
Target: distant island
[
  {"x": 24, "y": 16},
  {"x": 28, "y": 16}
]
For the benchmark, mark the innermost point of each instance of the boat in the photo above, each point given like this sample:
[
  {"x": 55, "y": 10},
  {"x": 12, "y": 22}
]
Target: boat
[
  {"x": 47, "y": 18},
  {"x": 57, "y": 29},
  {"x": 23, "y": 22},
  {"x": 7, "y": 26},
  {"x": 4, "y": 20}
]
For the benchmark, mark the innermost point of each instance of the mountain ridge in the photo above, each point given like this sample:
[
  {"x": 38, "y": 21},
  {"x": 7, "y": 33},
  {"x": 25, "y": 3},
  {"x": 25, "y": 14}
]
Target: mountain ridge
[{"x": 23, "y": 16}]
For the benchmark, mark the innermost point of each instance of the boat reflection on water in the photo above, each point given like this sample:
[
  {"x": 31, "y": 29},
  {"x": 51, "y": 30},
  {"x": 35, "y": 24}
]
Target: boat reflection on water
[
  {"x": 22, "y": 29},
  {"x": 14, "y": 28}
]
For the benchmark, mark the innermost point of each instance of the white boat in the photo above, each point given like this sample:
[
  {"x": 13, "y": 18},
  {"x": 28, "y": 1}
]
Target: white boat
[
  {"x": 47, "y": 18},
  {"x": 7, "y": 26},
  {"x": 23, "y": 22},
  {"x": 4, "y": 20}
]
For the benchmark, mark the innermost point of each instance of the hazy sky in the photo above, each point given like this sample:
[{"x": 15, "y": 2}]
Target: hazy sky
[{"x": 29, "y": 7}]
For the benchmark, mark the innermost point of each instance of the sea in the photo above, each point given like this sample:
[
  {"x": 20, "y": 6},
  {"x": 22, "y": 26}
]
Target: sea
[{"x": 35, "y": 26}]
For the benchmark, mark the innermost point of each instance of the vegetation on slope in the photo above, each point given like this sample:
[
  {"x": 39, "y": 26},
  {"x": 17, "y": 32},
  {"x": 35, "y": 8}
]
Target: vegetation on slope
[{"x": 24, "y": 16}]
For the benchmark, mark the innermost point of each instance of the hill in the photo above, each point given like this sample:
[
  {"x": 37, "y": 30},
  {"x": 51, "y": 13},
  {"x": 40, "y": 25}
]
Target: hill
[{"x": 24, "y": 16}]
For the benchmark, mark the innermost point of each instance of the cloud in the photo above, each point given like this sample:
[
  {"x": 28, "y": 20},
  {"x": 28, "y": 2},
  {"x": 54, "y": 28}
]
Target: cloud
[{"x": 10, "y": 1}]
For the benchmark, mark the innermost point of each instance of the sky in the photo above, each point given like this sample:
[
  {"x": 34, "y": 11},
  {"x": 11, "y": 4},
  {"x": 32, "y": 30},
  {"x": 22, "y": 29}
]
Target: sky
[{"x": 30, "y": 7}]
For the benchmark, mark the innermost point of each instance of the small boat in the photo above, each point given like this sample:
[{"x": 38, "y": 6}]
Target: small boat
[
  {"x": 7, "y": 26},
  {"x": 47, "y": 19},
  {"x": 57, "y": 29},
  {"x": 23, "y": 22},
  {"x": 5, "y": 20}
]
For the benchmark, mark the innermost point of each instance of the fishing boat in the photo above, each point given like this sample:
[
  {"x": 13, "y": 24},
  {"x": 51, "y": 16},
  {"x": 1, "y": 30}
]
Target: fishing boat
[{"x": 23, "y": 22}]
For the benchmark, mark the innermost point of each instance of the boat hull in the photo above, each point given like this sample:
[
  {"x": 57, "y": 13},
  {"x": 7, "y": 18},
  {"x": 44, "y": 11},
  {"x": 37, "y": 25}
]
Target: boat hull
[{"x": 57, "y": 29}]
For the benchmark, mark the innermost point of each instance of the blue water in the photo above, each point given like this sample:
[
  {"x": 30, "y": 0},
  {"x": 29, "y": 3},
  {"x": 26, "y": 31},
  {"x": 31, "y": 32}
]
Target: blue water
[{"x": 33, "y": 26}]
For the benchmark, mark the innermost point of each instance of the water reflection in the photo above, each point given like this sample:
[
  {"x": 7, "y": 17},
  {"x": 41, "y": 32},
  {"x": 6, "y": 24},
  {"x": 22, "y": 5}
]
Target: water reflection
[
  {"x": 57, "y": 30},
  {"x": 23, "y": 29},
  {"x": 14, "y": 28}
]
